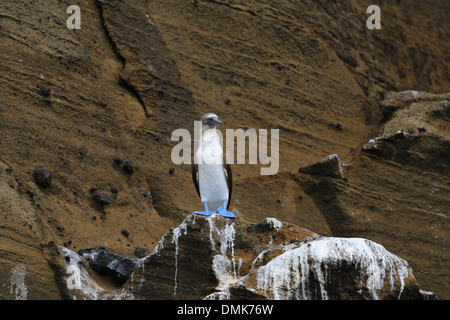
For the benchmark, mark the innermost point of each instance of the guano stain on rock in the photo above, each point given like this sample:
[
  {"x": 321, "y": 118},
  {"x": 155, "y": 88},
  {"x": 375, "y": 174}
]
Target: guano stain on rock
[{"x": 140, "y": 69}]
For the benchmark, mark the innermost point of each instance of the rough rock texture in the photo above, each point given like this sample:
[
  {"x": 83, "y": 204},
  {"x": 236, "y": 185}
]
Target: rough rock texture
[
  {"x": 205, "y": 257},
  {"x": 330, "y": 166},
  {"x": 336, "y": 268},
  {"x": 216, "y": 258},
  {"x": 118, "y": 267},
  {"x": 24, "y": 270},
  {"x": 76, "y": 101},
  {"x": 286, "y": 262}
]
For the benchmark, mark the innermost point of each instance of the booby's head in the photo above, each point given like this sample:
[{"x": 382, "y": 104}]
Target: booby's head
[{"x": 210, "y": 120}]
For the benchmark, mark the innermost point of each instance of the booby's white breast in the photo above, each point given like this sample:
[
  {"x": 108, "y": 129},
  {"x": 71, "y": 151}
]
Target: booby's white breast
[{"x": 212, "y": 181}]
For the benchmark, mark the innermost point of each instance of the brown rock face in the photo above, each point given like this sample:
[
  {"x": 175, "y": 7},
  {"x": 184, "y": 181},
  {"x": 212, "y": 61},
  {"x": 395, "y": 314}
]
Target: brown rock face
[
  {"x": 212, "y": 259},
  {"x": 24, "y": 269},
  {"x": 206, "y": 257},
  {"x": 216, "y": 258},
  {"x": 77, "y": 102}
]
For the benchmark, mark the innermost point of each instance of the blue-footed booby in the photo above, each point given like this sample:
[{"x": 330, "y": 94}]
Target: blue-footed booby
[{"x": 210, "y": 171}]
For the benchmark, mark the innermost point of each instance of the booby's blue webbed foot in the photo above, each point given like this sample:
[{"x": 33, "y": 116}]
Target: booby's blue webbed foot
[
  {"x": 207, "y": 212},
  {"x": 224, "y": 212}
]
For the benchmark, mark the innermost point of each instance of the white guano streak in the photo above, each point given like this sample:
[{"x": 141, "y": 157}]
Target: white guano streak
[{"x": 287, "y": 276}]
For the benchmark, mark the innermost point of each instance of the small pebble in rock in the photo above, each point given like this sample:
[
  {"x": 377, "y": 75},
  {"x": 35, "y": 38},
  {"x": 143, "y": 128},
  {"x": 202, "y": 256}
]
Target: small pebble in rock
[
  {"x": 307, "y": 239},
  {"x": 45, "y": 92},
  {"x": 102, "y": 199},
  {"x": 125, "y": 233},
  {"x": 422, "y": 129},
  {"x": 118, "y": 160},
  {"x": 31, "y": 194},
  {"x": 336, "y": 126},
  {"x": 43, "y": 177},
  {"x": 128, "y": 166},
  {"x": 140, "y": 252}
]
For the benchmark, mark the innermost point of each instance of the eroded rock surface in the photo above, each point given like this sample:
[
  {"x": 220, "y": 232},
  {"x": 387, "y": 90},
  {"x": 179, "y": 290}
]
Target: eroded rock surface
[
  {"x": 76, "y": 102},
  {"x": 216, "y": 258}
]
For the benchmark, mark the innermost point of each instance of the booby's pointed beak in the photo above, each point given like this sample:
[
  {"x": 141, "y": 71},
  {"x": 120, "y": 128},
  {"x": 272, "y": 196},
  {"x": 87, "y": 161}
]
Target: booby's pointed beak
[{"x": 217, "y": 122}]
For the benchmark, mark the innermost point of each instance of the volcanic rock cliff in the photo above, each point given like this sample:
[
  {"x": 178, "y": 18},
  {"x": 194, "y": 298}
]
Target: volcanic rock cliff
[
  {"x": 217, "y": 258},
  {"x": 91, "y": 205}
]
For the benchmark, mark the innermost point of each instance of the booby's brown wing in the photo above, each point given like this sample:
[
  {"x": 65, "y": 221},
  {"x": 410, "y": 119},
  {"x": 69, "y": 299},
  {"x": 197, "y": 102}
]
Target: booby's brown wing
[
  {"x": 228, "y": 176},
  {"x": 194, "y": 168}
]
